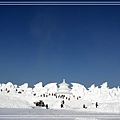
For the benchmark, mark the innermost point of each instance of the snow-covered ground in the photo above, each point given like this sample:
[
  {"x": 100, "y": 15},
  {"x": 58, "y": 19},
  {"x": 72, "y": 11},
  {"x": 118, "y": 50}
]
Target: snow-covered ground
[
  {"x": 17, "y": 102},
  {"x": 38, "y": 113}
]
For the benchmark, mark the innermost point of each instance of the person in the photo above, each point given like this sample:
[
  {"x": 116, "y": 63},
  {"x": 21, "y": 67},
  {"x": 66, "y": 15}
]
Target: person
[
  {"x": 63, "y": 102},
  {"x": 96, "y": 104},
  {"x": 84, "y": 106},
  {"x": 46, "y": 106},
  {"x": 61, "y": 105}
]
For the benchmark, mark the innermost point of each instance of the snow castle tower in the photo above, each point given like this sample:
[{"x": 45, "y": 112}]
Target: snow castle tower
[{"x": 64, "y": 89}]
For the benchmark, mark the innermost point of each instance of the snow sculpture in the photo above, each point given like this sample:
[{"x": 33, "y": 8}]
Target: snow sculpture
[
  {"x": 104, "y": 86},
  {"x": 23, "y": 87},
  {"x": 105, "y": 92},
  {"x": 51, "y": 88},
  {"x": 94, "y": 89},
  {"x": 9, "y": 85},
  {"x": 63, "y": 89},
  {"x": 93, "y": 93},
  {"x": 39, "y": 89},
  {"x": 3, "y": 87},
  {"x": 78, "y": 89}
]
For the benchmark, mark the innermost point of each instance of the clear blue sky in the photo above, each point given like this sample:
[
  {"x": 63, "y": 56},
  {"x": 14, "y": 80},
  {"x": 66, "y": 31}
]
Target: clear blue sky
[{"x": 49, "y": 43}]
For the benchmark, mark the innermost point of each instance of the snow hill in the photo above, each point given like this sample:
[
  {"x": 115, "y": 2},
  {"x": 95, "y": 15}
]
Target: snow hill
[{"x": 14, "y": 96}]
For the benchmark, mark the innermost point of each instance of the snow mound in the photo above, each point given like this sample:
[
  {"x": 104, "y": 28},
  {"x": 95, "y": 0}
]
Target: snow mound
[{"x": 13, "y": 102}]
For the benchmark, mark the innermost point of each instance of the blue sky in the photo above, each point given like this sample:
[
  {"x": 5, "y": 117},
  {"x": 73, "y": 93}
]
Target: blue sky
[{"x": 50, "y": 43}]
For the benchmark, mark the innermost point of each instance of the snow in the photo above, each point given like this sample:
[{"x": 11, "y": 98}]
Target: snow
[
  {"x": 51, "y": 87},
  {"x": 20, "y": 100},
  {"x": 52, "y": 114}
]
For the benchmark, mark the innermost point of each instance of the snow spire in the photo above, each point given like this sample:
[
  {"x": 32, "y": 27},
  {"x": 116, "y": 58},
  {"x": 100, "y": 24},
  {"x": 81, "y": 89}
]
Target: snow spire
[{"x": 63, "y": 80}]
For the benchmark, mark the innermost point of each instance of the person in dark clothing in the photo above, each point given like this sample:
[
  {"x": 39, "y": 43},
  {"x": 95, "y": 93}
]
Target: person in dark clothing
[
  {"x": 46, "y": 106},
  {"x": 63, "y": 102},
  {"x": 61, "y": 105},
  {"x": 84, "y": 106},
  {"x": 96, "y": 104}
]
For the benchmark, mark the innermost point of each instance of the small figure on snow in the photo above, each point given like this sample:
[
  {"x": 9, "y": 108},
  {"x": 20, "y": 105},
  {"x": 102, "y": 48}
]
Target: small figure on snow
[
  {"x": 46, "y": 106},
  {"x": 61, "y": 105},
  {"x": 96, "y": 104},
  {"x": 63, "y": 102},
  {"x": 84, "y": 106}
]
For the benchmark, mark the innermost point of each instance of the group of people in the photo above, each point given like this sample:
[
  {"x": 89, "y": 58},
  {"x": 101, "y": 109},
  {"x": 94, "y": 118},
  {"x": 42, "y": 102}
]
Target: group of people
[
  {"x": 62, "y": 103},
  {"x": 96, "y": 105}
]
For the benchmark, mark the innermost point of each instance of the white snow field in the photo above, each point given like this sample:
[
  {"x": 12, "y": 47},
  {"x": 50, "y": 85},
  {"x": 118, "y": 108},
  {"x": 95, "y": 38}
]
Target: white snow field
[
  {"x": 53, "y": 114},
  {"x": 18, "y": 102}
]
